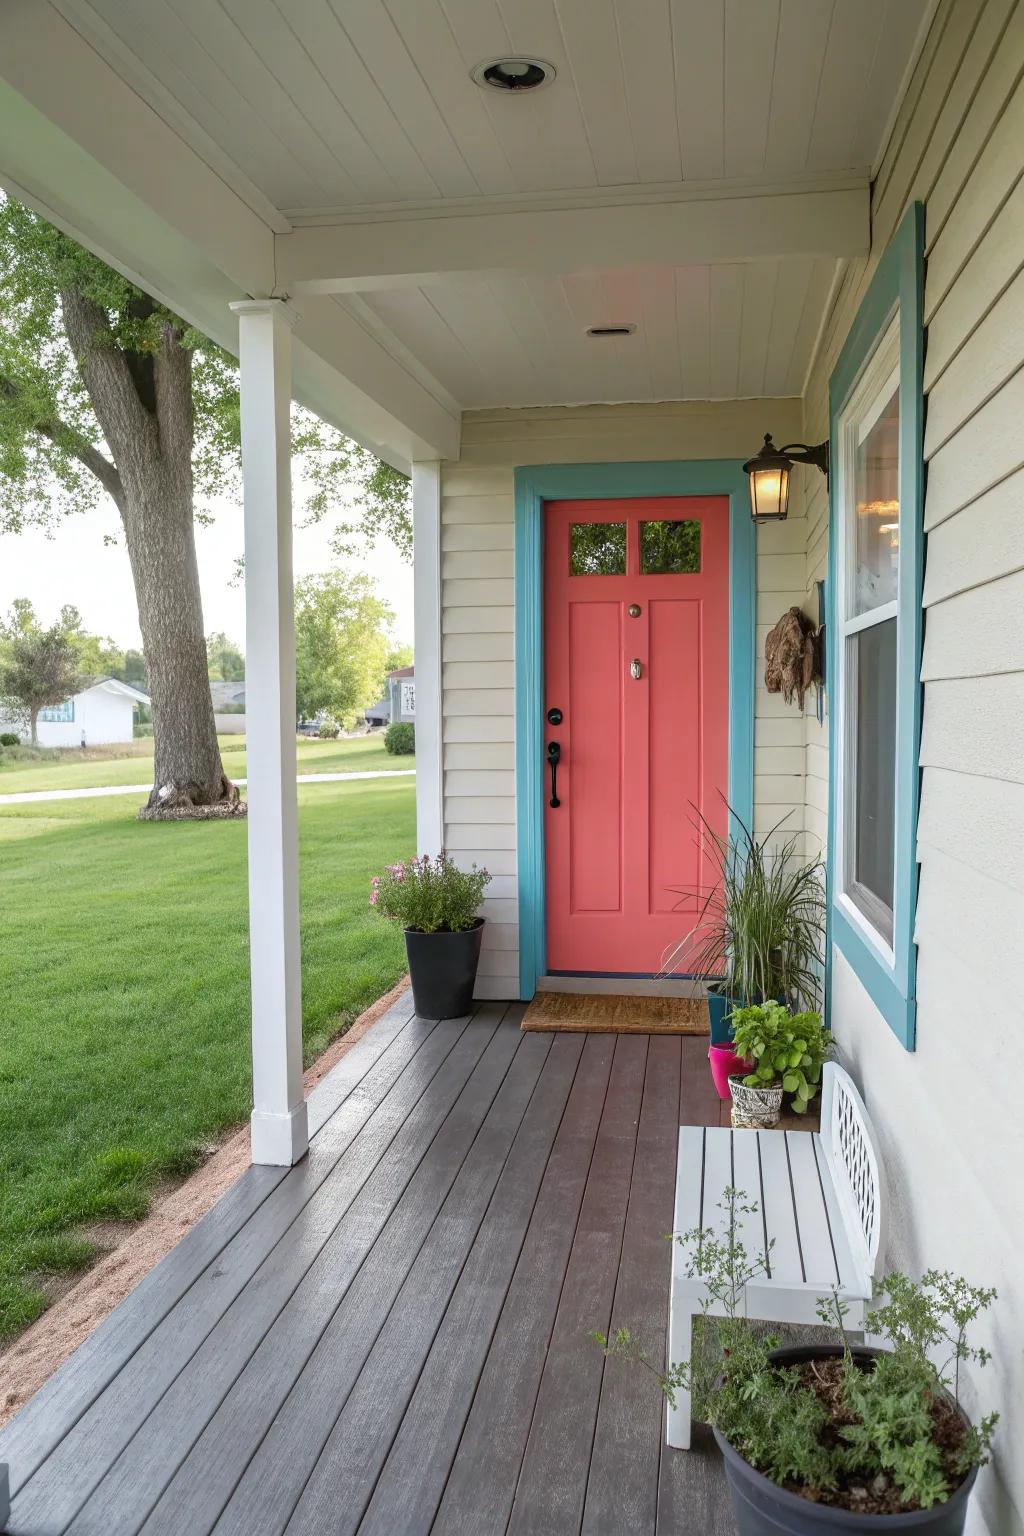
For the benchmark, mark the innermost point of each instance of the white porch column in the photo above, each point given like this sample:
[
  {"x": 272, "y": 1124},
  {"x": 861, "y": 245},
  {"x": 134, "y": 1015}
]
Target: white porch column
[
  {"x": 279, "y": 1127},
  {"x": 426, "y": 521}
]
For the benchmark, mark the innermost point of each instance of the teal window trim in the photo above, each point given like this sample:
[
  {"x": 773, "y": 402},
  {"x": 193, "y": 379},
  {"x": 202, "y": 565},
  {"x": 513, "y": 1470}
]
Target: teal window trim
[
  {"x": 535, "y": 484},
  {"x": 897, "y": 286},
  {"x": 58, "y": 714}
]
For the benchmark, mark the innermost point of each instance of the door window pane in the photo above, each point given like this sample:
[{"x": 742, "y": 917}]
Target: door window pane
[
  {"x": 670, "y": 548},
  {"x": 597, "y": 549},
  {"x": 877, "y": 496},
  {"x": 872, "y": 835}
]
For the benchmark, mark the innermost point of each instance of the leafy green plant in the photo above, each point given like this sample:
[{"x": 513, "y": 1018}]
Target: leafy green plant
[
  {"x": 760, "y": 930},
  {"x": 328, "y": 730},
  {"x": 429, "y": 895},
  {"x": 400, "y": 738},
  {"x": 837, "y": 1426},
  {"x": 787, "y": 1048},
  {"x": 9, "y": 738}
]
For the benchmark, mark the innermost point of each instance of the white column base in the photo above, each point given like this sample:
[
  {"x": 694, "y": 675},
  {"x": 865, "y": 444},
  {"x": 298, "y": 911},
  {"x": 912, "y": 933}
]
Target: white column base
[{"x": 279, "y": 1140}]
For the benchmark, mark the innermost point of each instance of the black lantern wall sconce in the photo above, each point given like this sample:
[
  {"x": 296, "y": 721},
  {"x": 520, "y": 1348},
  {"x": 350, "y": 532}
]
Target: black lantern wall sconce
[{"x": 769, "y": 476}]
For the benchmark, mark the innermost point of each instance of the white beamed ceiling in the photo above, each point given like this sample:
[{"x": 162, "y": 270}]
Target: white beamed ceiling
[
  {"x": 737, "y": 330},
  {"x": 331, "y": 114},
  {"x": 335, "y": 104}
]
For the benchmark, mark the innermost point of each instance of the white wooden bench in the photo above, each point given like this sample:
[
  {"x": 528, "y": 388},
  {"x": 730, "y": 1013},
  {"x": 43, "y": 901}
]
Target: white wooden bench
[{"x": 821, "y": 1203}]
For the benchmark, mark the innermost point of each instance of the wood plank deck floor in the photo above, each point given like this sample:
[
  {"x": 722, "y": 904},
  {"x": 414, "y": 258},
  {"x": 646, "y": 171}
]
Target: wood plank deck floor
[{"x": 394, "y": 1337}]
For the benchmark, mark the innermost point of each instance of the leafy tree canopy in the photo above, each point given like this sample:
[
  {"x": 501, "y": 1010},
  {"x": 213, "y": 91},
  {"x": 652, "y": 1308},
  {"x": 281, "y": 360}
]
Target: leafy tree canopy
[
  {"x": 226, "y": 659},
  {"x": 52, "y": 458},
  {"x": 38, "y": 667},
  {"x": 342, "y": 641}
]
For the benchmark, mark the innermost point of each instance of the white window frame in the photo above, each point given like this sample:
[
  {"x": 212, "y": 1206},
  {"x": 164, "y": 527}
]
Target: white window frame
[{"x": 879, "y": 380}]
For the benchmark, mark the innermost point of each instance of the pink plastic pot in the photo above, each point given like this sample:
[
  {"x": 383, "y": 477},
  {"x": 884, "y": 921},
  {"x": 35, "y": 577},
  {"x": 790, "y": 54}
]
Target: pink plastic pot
[{"x": 724, "y": 1061}]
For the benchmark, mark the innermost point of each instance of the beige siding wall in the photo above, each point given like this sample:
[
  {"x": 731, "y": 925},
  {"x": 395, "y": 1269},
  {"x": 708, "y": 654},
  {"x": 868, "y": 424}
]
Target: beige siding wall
[
  {"x": 478, "y": 620},
  {"x": 954, "y": 1138}
]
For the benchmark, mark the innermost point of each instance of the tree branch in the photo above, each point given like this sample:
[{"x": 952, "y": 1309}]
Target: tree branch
[{"x": 75, "y": 443}]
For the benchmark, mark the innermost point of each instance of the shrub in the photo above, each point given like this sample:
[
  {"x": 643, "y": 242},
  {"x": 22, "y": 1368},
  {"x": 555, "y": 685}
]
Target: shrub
[
  {"x": 328, "y": 730},
  {"x": 787, "y": 1048},
  {"x": 400, "y": 738},
  {"x": 429, "y": 895},
  {"x": 9, "y": 738},
  {"x": 835, "y": 1429}
]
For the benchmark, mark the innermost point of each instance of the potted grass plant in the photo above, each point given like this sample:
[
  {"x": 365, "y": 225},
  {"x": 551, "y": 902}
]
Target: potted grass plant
[
  {"x": 831, "y": 1437},
  {"x": 436, "y": 902},
  {"x": 759, "y": 933}
]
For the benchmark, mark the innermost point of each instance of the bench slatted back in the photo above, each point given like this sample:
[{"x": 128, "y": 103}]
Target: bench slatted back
[{"x": 856, "y": 1165}]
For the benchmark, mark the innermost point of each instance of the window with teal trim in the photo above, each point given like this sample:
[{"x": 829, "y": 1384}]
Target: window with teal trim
[
  {"x": 876, "y": 557},
  {"x": 59, "y": 714}
]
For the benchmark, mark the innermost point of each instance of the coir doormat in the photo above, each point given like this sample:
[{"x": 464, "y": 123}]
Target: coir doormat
[{"x": 624, "y": 1015}]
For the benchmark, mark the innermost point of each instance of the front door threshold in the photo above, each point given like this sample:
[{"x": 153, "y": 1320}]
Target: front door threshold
[{"x": 622, "y": 986}]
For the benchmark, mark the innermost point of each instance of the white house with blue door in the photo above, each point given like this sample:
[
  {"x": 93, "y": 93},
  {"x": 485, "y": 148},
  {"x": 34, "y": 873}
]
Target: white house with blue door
[{"x": 572, "y": 314}]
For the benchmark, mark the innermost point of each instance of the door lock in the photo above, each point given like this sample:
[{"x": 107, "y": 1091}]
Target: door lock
[{"x": 636, "y": 668}]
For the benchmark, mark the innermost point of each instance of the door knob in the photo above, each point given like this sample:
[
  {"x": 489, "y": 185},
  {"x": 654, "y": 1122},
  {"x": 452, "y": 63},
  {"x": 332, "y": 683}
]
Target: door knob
[{"x": 636, "y": 668}]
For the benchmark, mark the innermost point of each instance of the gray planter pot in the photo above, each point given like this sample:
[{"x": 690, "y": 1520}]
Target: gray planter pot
[
  {"x": 762, "y": 1508},
  {"x": 442, "y": 968}
]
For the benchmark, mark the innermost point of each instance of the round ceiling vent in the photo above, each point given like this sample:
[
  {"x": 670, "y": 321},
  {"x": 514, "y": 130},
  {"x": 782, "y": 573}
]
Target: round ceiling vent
[{"x": 513, "y": 74}]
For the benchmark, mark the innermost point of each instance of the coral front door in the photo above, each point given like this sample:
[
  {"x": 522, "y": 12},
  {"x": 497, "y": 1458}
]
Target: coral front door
[{"x": 636, "y": 662}]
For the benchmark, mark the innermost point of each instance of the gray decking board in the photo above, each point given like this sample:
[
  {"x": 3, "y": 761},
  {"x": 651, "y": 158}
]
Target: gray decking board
[
  {"x": 56, "y": 1407},
  {"x": 394, "y": 1336},
  {"x": 622, "y": 1492},
  {"x": 552, "y": 1485},
  {"x": 345, "y": 1475},
  {"x": 54, "y": 1495},
  {"x": 319, "y": 1253},
  {"x": 482, "y": 1483},
  {"x": 284, "y": 1453},
  {"x": 410, "y": 1487}
]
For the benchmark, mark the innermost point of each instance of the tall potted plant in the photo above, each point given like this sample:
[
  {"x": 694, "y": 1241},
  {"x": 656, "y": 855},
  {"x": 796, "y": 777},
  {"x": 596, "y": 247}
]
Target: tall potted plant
[
  {"x": 830, "y": 1437},
  {"x": 760, "y": 929},
  {"x": 436, "y": 903}
]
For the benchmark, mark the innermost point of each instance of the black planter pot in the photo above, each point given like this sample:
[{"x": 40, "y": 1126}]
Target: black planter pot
[
  {"x": 442, "y": 968},
  {"x": 762, "y": 1508}
]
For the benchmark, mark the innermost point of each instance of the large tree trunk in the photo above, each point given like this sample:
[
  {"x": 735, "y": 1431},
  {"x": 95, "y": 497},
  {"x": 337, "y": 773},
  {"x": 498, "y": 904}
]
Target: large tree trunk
[
  {"x": 33, "y": 727},
  {"x": 143, "y": 403}
]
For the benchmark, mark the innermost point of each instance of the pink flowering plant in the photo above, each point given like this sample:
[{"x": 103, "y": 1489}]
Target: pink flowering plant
[{"x": 429, "y": 895}]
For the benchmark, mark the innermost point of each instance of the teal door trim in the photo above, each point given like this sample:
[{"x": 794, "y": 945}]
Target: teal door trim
[
  {"x": 535, "y": 484},
  {"x": 896, "y": 287}
]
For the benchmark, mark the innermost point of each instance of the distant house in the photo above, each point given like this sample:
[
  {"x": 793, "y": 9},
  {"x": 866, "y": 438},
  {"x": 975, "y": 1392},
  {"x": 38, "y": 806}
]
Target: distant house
[
  {"x": 399, "y": 701},
  {"x": 100, "y": 715},
  {"x": 229, "y": 706}
]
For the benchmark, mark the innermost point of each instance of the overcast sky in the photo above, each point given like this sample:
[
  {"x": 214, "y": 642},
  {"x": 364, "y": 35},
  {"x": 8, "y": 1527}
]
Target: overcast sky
[{"x": 76, "y": 566}]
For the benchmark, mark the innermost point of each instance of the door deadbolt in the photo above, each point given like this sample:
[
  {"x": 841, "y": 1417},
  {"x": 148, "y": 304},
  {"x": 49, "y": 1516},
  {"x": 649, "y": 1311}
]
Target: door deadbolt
[
  {"x": 636, "y": 668},
  {"x": 554, "y": 717}
]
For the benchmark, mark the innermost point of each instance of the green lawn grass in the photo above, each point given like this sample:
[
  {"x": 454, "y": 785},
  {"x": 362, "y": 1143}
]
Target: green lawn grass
[
  {"x": 124, "y": 1005},
  {"x": 134, "y": 763}
]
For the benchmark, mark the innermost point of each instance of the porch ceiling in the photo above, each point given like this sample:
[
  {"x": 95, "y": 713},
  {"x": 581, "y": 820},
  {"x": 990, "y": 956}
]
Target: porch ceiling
[{"x": 697, "y": 169}]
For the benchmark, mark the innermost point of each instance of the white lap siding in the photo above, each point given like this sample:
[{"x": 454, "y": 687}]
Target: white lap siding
[
  {"x": 478, "y": 623},
  {"x": 948, "y": 1131}
]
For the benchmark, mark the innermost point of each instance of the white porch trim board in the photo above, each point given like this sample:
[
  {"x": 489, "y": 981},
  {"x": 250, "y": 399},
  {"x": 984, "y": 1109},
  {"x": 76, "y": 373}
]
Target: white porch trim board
[
  {"x": 426, "y": 519},
  {"x": 279, "y": 1124}
]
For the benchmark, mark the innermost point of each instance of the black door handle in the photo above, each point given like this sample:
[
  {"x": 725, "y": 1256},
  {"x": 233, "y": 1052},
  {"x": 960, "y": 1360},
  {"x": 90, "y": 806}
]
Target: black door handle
[{"x": 554, "y": 757}]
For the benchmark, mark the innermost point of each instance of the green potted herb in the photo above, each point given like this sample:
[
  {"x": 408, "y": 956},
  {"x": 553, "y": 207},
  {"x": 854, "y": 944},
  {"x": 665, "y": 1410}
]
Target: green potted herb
[
  {"x": 436, "y": 902},
  {"x": 822, "y": 1438},
  {"x": 788, "y": 1051},
  {"x": 760, "y": 929}
]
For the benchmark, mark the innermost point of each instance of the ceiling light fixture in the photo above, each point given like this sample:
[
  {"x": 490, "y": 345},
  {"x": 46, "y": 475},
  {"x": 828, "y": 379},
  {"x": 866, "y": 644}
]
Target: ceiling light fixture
[{"x": 513, "y": 74}]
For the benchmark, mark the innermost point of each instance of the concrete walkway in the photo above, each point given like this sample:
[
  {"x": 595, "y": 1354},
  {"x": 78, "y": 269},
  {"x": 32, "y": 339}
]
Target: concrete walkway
[{"x": 28, "y": 796}]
